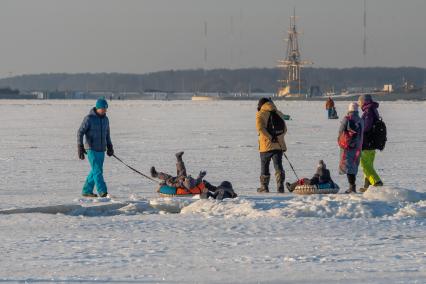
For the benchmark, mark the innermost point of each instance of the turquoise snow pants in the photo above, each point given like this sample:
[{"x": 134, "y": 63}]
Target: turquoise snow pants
[{"x": 95, "y": 177}]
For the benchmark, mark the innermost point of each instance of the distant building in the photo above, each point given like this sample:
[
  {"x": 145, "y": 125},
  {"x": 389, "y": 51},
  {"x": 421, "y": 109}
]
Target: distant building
[
  {"x": 39, "y": 95},
  {"x": 388, "y": 88},
  {"x": 8, "y": 93}
]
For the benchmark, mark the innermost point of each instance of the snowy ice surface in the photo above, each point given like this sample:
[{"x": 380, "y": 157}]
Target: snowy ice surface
[{"x": 48, "y": 233}]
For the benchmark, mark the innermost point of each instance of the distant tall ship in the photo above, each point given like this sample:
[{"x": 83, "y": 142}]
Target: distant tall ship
[{"x": 292, "y": 85}]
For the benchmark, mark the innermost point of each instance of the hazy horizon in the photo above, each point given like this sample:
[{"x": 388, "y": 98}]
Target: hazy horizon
[{"x": 130, "y": 36}]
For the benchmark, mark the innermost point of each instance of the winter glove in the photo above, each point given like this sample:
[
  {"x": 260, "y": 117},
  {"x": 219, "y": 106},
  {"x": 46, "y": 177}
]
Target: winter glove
[
  {"x": 110, "y": 150},
  {"x": 81, "y": 152}
]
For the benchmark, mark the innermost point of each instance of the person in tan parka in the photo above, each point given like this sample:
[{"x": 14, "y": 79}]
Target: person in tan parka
[{"x": 270, "y": 147}]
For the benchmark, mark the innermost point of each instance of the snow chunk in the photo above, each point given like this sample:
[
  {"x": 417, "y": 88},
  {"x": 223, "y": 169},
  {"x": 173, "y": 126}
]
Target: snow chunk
[
  {"x": 417, "y": 210},
  {"x": 170, "y": 204},
  {"x": 393, "y": 194}
]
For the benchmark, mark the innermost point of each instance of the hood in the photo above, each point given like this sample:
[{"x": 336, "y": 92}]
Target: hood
[
  {"x": 225, "y": 185},
  {"x": 321, "y": 165},
  {"x": 370, "y": 105},
  {"x": 269, "y": 106},
  {"x": 93, "y": 112}
]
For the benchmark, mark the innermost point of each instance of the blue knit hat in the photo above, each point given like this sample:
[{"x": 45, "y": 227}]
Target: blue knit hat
[{"x": 101, "y": 103}]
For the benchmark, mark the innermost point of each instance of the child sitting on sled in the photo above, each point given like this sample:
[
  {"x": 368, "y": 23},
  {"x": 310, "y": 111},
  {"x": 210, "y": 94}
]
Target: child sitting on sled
[
  {"x": 322, "y": 176},
  {"x": 181, "y": 180}
]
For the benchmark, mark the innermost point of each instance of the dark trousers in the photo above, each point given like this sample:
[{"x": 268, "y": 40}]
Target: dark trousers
[
  {"x": 180, "y": 175},
  {"x": 351, "y": 179},
  {"x": 265, "y": 159}
]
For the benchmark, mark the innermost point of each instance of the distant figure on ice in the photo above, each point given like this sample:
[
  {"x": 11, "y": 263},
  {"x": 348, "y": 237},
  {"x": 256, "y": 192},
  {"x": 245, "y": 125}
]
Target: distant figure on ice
[
  {"x": 181, "y": 180},
  {"x": 224, "y": 190},
  {"x": 373, "y": 139},
  {"x": 322, "y": 176},
  {"x": 271, "y": 129},
  {"x": 95, "y": 129},
  {"x": 350, "y": 142},
  {"x": 331, "y": 109}
]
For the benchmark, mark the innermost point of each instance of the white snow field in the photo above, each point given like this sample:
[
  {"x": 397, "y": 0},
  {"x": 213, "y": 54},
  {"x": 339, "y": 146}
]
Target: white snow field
[{"x": 48, "y": 233}]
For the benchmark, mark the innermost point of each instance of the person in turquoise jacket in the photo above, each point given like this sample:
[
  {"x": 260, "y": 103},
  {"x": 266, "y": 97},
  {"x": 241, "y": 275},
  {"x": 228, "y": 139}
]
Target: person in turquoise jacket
[{"x": 95, "y": 129}]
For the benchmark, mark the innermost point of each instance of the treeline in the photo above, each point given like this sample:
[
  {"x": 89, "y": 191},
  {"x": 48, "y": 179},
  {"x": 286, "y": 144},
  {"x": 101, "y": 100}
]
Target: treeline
[{"x": 217, "y": 80}]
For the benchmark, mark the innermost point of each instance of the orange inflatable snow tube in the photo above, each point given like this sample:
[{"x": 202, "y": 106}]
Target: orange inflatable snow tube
[{"x": 195, "y": 190}]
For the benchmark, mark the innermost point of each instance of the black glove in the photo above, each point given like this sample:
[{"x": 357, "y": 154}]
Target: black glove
[
  {"x": 110, "y": 150},
  {"x": 81, "y": 152}
]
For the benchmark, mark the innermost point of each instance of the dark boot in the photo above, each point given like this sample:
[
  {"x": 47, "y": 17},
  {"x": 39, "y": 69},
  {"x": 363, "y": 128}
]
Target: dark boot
[
  {"x": 153, "y": 172},
  {"x": 352, "y": 189},
  {"x": 379, "y": 183},
  {"x": 288, "y": 185},
  {"x": 179, "y": 155},
  {"x": 280, "y": 178},
  {"x": 90, "y": 195},
  {"x": 351, "y": 181},
  {"x": 105, "y": 194},
  {"x": 366, "y": 185},
  {"x": 180, "y": 165},
  {"x": 264, "y": 184}
]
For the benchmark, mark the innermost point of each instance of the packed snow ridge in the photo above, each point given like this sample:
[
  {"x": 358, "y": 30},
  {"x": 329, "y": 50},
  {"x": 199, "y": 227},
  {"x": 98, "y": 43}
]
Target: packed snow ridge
[{"x": 375, "y": 203}]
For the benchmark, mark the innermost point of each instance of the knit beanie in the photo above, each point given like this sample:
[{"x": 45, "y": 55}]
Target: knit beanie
[
  {"x": 353, "y": 107},
  {"x": 366, "y": 98},
  {"x": 101, "y": 103}
]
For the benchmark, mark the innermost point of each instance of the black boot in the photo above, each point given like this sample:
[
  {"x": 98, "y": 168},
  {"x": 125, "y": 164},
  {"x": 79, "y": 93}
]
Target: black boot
[
  {"x": 288, "y": 185},
  {"x": 351, "y": 181},
  {"x": 153, "y": 172},
  {"x": 280, "y": 178},
  {"x": 179, "y": 155},
  {"x": 264, "y": 184},
  {"x": 379, "y": 183},
  {"x": 352, "y": 189},
  {"x": 366, "y": 185},
  {"x": 89, "y": 195}
]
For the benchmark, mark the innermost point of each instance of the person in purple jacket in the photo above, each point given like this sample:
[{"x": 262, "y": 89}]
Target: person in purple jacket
[{"x": 370, "y": 115}]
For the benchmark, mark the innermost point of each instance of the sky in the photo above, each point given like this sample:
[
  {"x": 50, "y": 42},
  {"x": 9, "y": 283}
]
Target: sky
[{"x": 142, "y": 36}]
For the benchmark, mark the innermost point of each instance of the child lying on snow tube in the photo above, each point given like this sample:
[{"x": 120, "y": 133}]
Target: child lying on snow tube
[
  {"x": 224, "y": 190},
  {"x": 322, "y": 176},
  {"x": 181, "y": 180}
]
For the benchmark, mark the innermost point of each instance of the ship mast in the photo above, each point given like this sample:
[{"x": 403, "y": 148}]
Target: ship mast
[{"x": 292, "y": 64}]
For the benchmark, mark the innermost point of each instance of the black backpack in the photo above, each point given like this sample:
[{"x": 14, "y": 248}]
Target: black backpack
[
  {"x": 378, "y": 135},
  {"x": 276, "y": 125}
]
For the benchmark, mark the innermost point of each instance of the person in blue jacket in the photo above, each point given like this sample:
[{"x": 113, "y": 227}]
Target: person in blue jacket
[{"x": 95, "y": 129}]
